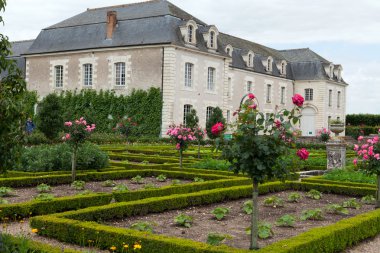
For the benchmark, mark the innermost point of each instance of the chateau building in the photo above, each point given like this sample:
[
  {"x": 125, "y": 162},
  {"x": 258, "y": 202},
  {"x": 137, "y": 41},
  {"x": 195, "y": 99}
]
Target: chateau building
[{"x": 156, "y": 44}]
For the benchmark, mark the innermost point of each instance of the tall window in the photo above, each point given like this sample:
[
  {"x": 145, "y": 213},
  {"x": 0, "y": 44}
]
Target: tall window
[
  {"x": 338, "y": 98},
  {"x": 330, "y": 97},
  {"x": 283, "y": 95},
  {"x": 120, "y": 74},
  {"x": 228, "y": 116},
  {"x": 269, "y": 93},
  {"x": 308, "y": 94},
  {"x": 228, "y": 51},
  {"x": 229, "y": 87},
  {"x": 283, "y": 68},
  {"x": 58, "y": 76},
  {"x": 188, "y": 74},
  {"x": 87, "y": 74},
  {"x": 211, "y": 79},
  {"x": 186, "y": 111},
  {"x": 249, "y": 86},
  {"x": 212, "y": 39},
  {"x": 209, "y": 112},
  {"x": 190, "y": 31},
  {"x": 269, "y": 64},
  {"x": 250, "y": 60}
]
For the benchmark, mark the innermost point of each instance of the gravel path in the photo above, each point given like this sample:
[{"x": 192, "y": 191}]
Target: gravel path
[
  {"x": 17, "y": 228},
  {"x": 368, "y": 246}
]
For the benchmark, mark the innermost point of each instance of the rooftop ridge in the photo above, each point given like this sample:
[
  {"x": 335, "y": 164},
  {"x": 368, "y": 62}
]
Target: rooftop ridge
[
  {"x": 236, "y": 37},
  {"x": 293, "y": 49},
  {"x": 122, "y": 5},
  {"x": 21, "y": 41}
]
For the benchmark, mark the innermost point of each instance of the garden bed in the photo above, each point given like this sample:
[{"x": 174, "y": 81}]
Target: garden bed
[
  {"x": 27, "y": 194},
  {"x": 236, "y": 221}
]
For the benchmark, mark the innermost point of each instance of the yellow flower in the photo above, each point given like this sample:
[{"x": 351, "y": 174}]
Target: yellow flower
[
  {"x": 125, "y": 246},
  {"x": 34, "y": 230},
  {"x": 113, "y": 248},
  {"x": 21, "y": 221},
  {"x": 137, "y": 246}
]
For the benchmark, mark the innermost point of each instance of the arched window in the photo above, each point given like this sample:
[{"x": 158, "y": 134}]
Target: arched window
[
  {"x": 331, "y": 71},
  {"x": 212, "y": 39},
  {"x": 190, "y": 32},
  {"x": 228, "y": 51}
]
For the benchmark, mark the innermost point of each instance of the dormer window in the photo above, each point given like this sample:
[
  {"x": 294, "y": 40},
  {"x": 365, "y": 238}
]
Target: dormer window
[
  {"x": 248, "y": 58},
  {"x": 229, "y": 50},
  {"x": 190, "y": 31},
  {"x": 269, "y": 63},
  {"x": 338, "y": 72},
  {"x": 210, "y": 35},
  {"x": 331, "y": 74},
  {"x": 212, "y": 39}
]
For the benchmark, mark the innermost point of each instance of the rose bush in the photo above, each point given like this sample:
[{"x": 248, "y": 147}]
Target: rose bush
[
  {"x": 260, "y": 146},
  {"x": 368, "y": 159},
  {"x": 181, "y": 136},
  {"x": 324, "y": 134},
  {"x": 76, "y": 134}
]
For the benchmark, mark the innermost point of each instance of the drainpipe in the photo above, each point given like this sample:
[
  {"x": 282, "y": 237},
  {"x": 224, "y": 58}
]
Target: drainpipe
[{"x": 162, "y": 86}]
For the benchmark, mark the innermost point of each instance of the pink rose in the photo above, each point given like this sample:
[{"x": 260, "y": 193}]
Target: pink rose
[
  {"x": 251, "y": 96},
  {"x": 360, "y": 138},
  {"x": 217, "y": 128},
  {"x": 355, "y": 161},
  {"x": 303, "y": 154},
  {"x": 278, "y": 123},
  {"x": 184, "y": 138},
  {"x": 356, "y": 147},
  {"x": 178, "y": 146},
  {"x": 377, "y": 156},
  {"x": 67, "y": 136},
  {"x": 68, "y": 123},
  {"x": 254, "y": 106},
  {"x": 179, "y": 137},
  {"x": 298, "y": 100},
  {"x": 365, "y": 157}
]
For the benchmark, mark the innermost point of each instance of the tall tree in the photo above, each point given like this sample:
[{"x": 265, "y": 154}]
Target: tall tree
[
  {"x": 12, "y": 118},
  {"x": 50, "y": 120},
  {"x": 216, "y": 116}
]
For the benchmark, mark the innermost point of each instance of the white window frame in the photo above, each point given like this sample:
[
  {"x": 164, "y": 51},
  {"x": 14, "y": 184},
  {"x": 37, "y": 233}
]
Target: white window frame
[
  {"x": 190, "y": 33},
  {"x": 249, "y": 86},
  {"x": 186, "y": 110},
  {"x": 87, "y": 74},
  {"x": 209, "y": 110},
  {"x": 58, "y": 76},
  {"x": 211, "y": 79},
  {"x": 309, "y": 94},
  {"x": 189, "y": 69},
  {"x": 269, "y": 94},
  {"x": 212, "y": 39},
  {"x": 120, "y": 72}
]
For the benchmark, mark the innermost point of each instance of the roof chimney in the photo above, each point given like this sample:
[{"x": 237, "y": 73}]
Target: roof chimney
[{"x": 111, "y": 23}]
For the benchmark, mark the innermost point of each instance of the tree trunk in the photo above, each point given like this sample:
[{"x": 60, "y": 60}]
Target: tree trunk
[
  {"x": 255, "y": 218},
  {"x": 199, "y": 149},
  {"x": 180, "y": 158},
  {"x": 378, "y": 192},
  {"x": 74, "y": 164}
]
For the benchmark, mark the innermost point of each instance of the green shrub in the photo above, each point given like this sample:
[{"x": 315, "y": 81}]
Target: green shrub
[
  {"x": 274, "y": 202},
  {"x": 50, "y": 120},
  {"x": 43, "y": 188},
  {"x": 248, "y": 207},
  {"x": 78, "y": 185},
  {"x": 220, "y": 212},
  {"x": 3, "y": 201},
  {"x": 336, "y": 209},
  {"x": 198, "y": 179},
  {"x": 363, "y": 119},
  {"x": 58, "y": 157},
  {"x": 369, "y": 200},
  {"x": 176, "y": 182},
  {"x": 161, "y": 178},
  {"x": 138, "y": 179},
  {"x": 348, "y": 175},
  {"x": 109, "y": 183},
  {"x": 120, "y": 188},
  {"x": 85, "y": 192},
  {"x": 294, "y": 197},
  {"x": 183, "y": 220},
  {"x": 36, "y": 138},
  {"x": 150, "y": 186},
  {"x": 143, "y": 226},
  {"x": 351, "y": 203},
  {"x": 211, "y": 164},
  {"x": 312, "y": 214},
  {"x": 265, "y": 230},
  {"x": 314, "y": 194},
  {"x": 286, "y": 220},
  {"x": 5, "y": 191},
  {"x": 44, "y": 197},
  {"x": 217, "y": 239}
]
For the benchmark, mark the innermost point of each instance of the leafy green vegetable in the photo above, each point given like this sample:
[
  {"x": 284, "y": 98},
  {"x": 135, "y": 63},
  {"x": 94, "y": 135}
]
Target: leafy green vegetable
[
  {"x": 274, "y": 202},
  {"x": 44, "y": 197},
  {"x": 183, "y": 220},
  {"x": 369, "y": 200},
  {"x": 336, "y": 209},
  {"x": 294, "y": 197},
  {"x": 43, "y": 188},
  {"x": 312, "y": 214},
  {"x": 5, "y": 191},
  {"x": 120, "y": 188},
  {"x": 109, "y": 183},
  {"x": 220, "y": 212},
  {"x": 352, "y": 203},
  {"x": 248, "y": 207},
  {"x": 143, "y": 226},
  {"x": 265, "y": 230},
  {"x": 314, "y": 194},
  {"x": 137, "y": 179},
  {"x": 198, "y": 179},
  {"x": 217, "y": 239},
  {"x": 161, "y": 178},
  {"x": 286, "y": 220},
  {"x": 78, "y": 185}
]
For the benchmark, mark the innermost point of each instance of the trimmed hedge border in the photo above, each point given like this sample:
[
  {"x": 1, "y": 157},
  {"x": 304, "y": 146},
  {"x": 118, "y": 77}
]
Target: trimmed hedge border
[
  {"x": 151, "y": 159},
  {"x": 36, "y": 247},
  {"x": 321, "y": 180},
  {"x": 71, "y": 226}
]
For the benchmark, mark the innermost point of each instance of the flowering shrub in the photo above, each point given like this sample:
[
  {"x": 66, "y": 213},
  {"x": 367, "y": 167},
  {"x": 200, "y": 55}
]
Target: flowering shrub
[
  {"x": 217, "y": 129},
  {"x": 260, "y": 146},
  {"x": 368, "y": 159},
  {"x": 324, "y": 134},
  {"x": 303, "y": 154},
  {"x": 76, "y": 134},
  {"x": 125, "y": 126},
  {"x": 181, "y": 136}
]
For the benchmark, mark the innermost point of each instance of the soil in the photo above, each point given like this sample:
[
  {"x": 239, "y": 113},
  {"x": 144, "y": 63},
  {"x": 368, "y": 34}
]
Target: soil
[
  {"x": 26, "y": 194},
  {"x": 235, "y": 223}
]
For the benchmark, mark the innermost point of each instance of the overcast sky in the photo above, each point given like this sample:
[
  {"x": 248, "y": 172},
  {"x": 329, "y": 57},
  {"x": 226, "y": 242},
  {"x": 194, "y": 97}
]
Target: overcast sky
[{"x": 345, "y": 32}]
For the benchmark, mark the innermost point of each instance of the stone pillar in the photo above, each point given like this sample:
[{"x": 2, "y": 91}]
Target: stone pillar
[{"x": 336, "y": 154}]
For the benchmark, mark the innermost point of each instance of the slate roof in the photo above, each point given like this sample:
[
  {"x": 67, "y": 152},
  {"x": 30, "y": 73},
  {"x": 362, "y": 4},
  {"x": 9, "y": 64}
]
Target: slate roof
[
  {"x": 20, "y": 47},
  {"x": 158, "y": 22}
]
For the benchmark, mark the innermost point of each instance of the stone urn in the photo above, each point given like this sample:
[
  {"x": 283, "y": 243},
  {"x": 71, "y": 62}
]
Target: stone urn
[{"x": 337, "y": 128}]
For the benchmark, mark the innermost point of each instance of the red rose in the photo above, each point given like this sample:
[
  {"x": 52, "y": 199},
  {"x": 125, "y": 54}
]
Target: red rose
[
  {"x": 251, "y": 96},
  {"x": 217, "y": 128},
  {"x": 303, "y": 154},
  {"x": 298, "y": 100}
]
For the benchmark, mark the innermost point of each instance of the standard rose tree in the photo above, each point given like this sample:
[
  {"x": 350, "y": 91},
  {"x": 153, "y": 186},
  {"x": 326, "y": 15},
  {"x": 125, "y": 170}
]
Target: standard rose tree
[
  {"x": 368, "y": 159},
  {"x": 261, "y": 146},
  {"x": 181, "y": 136},
  {"x": 76, "y": 134}
]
